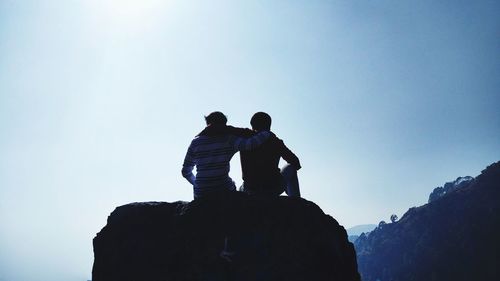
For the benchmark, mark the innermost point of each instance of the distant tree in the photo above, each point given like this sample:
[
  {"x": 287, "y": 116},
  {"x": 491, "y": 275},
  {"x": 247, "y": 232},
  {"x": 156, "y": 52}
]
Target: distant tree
[
  {"x": 394, "y": 218},
  {"x": 382, "y": 223},
  {"x": 436, "y": 193}
]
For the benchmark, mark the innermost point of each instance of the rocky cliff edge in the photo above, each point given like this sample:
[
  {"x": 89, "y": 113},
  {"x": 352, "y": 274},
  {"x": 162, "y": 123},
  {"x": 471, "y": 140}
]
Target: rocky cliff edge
[{"x": 232, "y": 237}]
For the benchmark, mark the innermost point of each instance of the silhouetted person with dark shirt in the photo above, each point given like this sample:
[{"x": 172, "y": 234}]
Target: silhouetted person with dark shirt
[{"x": 260, "y": 167}]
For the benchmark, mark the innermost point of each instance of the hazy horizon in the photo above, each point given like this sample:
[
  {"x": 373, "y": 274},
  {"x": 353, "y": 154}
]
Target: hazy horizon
[{"x": 382, "y": 101}]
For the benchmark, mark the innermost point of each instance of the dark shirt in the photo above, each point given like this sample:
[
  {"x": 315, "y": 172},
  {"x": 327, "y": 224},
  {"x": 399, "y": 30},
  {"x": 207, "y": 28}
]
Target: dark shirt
[{"x": 260, "y": 167}]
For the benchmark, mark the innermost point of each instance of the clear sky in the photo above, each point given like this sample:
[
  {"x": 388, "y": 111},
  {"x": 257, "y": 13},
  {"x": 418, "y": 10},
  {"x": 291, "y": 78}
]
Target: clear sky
[{"x": 99, "y": 99}]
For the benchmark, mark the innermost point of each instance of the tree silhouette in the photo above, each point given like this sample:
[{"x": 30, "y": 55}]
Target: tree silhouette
[{"x": 394, "y": 218}]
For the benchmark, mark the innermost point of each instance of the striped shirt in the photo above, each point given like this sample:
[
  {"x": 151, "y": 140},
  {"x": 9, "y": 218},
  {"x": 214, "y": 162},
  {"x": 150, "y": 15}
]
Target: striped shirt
[{"x": 211, "y": 156}]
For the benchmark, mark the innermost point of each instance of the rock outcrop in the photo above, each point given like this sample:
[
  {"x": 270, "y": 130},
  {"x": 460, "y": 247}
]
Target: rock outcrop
[
  {"x": 448, "y": 187},
  {"x": 234, "y": 237}
]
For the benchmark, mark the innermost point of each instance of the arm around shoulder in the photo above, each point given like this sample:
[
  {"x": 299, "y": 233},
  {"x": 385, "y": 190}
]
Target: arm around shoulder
[
  {"x": 240, "y": 132},
  {"x": 252, "y": 142}
]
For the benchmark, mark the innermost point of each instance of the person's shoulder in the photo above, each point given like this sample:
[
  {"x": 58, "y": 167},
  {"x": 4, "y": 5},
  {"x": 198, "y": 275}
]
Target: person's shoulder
[
  {"x": 195, "y": 140},
  {"x": 279, "y": 143},
  {"x": 275, "y": 138},
  {"x": 199, "y": 138}
]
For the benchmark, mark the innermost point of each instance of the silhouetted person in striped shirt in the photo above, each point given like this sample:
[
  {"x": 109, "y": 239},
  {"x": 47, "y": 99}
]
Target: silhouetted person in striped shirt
[{"x": 210, "y": 151}]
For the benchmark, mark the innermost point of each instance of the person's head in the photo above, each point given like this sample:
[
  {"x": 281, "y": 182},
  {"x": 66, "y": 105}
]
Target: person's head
[
  {"x": 216, "y": 117},
  {"x": 261, "y": 121}
]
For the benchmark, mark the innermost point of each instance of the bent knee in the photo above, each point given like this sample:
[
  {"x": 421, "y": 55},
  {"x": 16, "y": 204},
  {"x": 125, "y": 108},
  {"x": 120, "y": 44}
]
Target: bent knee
[{"x": 288, "y": 170}]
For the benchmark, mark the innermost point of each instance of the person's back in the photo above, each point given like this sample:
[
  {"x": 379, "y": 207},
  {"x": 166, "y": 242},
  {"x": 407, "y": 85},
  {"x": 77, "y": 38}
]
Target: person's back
[
  {"x": 210, "y": 152},
  {"x": 260, "y": 167},
  {"x": 212, "y": 155}
]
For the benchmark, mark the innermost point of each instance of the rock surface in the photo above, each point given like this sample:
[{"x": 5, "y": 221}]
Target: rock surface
[{"x": 260, "y": 239}]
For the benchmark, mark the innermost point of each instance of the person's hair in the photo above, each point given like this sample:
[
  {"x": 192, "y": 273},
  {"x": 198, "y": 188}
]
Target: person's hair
[
  {"x": 216, "y": 117},
  {"x": 261, "y": 121}
]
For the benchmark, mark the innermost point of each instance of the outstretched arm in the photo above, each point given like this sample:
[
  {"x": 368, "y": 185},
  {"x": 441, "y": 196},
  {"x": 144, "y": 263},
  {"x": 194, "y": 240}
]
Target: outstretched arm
[
  {"x": 240, "y": 132},
  {"x": 240, "y": 144},
  {"x": 188, "y": 166}
]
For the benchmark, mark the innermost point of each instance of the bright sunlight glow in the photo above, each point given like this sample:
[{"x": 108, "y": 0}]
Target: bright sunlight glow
[{"x": 130, "y": 14}]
